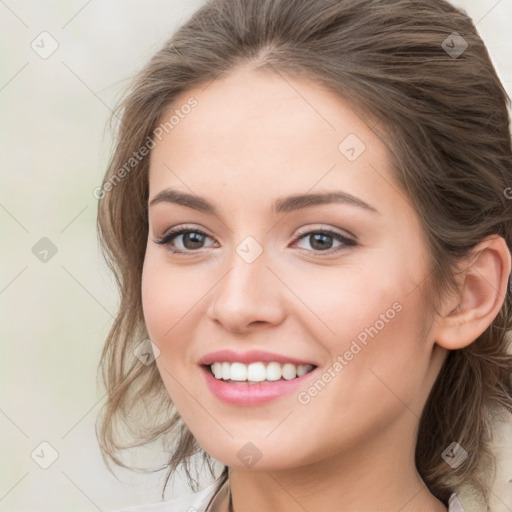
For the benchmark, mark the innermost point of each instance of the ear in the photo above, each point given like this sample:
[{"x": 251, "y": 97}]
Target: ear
[{"x": 483, "y": 287}]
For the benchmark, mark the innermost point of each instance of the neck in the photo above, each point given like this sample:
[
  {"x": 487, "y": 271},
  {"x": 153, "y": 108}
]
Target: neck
[{"x": 376, "y": 477}]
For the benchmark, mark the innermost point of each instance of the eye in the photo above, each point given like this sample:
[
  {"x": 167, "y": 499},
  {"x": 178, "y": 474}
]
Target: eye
[
  {"x": 321, "y": 241},
  {"x": 191, "y": 239}
]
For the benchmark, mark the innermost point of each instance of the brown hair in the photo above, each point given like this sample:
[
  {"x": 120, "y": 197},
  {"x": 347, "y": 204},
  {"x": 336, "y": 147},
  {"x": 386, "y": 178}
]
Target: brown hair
[{"x": 444, "y": 119}]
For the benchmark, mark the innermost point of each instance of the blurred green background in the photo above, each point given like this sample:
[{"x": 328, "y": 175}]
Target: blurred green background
[{"x": 63, "y": 66}]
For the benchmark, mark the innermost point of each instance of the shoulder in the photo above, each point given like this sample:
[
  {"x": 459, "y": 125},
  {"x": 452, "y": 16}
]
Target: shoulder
[
  {"x": 454, "y": 504},
  {"x": 196, "y": 502}
]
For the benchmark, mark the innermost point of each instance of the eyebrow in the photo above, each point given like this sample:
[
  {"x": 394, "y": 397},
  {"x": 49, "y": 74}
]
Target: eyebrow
[{"x": 282, "y": 205}]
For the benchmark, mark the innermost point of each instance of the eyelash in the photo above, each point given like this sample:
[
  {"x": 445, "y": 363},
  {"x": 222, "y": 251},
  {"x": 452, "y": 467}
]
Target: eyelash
[{"x": 173, "y": 233}]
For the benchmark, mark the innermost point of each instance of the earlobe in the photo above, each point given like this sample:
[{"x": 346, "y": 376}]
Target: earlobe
[{"x": 484, "y": 282}]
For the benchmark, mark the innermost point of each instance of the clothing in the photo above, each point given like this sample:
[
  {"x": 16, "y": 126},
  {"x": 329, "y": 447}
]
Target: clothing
[{"x": 199, "y": 501}]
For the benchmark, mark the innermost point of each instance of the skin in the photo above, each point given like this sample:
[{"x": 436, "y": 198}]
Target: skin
[{"x": 252, "y": 139}]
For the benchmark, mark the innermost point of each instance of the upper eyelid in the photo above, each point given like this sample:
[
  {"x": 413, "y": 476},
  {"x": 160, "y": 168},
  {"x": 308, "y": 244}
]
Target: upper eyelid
[
  {"x": 320, "y": 227},
  {"x": 176, "y": 230},
  {"x": 338, "y": 231}
]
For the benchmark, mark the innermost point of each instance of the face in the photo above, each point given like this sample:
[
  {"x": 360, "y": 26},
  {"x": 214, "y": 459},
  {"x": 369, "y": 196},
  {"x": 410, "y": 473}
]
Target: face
[{"x": 329, "y": 284}]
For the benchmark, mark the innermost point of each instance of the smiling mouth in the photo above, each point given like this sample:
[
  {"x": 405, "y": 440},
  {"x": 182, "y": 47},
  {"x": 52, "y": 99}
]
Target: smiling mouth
[{"x": 257, "y": 372}]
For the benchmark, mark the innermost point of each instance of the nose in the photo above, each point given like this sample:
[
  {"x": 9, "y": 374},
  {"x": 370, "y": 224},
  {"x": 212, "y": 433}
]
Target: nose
[{"x": 249, "y": 296}]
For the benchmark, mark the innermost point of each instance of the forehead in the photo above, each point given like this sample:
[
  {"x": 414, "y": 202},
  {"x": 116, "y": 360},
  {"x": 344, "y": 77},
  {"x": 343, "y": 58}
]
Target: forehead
[
  {"x": 268, "y": 132},
  {"x": 266, "y": 105}
]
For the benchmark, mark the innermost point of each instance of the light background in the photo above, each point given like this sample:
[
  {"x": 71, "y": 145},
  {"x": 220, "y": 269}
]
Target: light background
[{"x": 55, "y": 315}]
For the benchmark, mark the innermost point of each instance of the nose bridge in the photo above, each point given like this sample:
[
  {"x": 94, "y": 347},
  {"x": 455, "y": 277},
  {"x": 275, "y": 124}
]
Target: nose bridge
[{"x": 248, "y": 292}]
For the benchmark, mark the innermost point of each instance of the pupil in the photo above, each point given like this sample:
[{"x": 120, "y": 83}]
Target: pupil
[
  {"x": 191, "y": 236},
  {"x": 322, "y": 238}
]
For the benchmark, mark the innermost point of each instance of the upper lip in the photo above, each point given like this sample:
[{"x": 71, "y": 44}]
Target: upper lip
[{"x": 251, "y": 356}]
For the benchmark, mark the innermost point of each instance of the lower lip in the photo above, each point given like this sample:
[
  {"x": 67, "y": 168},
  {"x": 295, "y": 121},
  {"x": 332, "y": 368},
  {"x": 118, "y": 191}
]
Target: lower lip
[{"x": 251, "y": 394}]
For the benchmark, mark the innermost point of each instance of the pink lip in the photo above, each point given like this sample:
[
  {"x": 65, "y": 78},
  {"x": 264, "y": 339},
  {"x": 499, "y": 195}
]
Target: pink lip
[
  {"x": 252, "y": 356},
  {"x": 251, "y": 394}
]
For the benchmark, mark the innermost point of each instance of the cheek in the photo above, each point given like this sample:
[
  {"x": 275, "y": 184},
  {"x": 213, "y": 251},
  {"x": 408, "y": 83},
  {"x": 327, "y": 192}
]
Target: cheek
[
  {"x": 166, "y": 300},
  {"x": 375, "y": 318},
  {"x": 166, "y": 297},
  {"x": 384, "y": 356},
  {"x": 155, "y": 300},
  {"x": 339, "y": 304}
]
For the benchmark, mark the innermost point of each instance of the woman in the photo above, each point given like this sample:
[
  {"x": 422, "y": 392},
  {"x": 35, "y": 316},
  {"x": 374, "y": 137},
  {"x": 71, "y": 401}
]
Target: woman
[{"x": 307, "y": 215}]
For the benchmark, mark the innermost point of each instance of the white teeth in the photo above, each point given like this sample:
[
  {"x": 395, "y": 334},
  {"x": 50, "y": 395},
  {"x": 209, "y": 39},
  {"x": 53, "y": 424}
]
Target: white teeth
[
  {"x": 238, "y": 371},
  {"x": 258, "y": 372},
  {"x": 289, "y": 371},
  {"x": 255, "y": 372},
  {"x": 273, "y": 371},
  {"x": 302, "y": 369},
  {"x": 217, "y": 370},
  {"x": 226, "y": 371}
]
